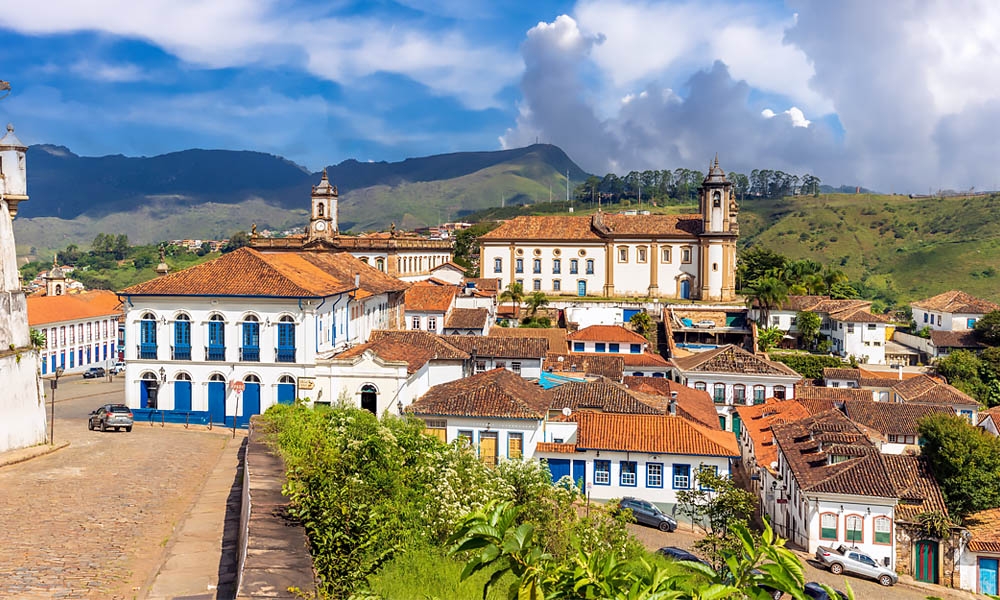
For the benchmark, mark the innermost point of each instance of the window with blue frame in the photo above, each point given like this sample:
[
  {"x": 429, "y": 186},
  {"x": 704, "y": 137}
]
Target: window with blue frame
[
  {"x": 556, "y": 266},
  {"x": 498, "y": 265},
  {"x": 635, "y": 348},
  {"x": 216, "y": 338},
  {"x": 250, "y": 350},
  {"x": 654, "y": 475},
  {"x": 682, "y": 477},
  {"x": 706, "y": 469},
  {"x": 578, "y": 346},
  {"x": 536, "y": 265},
  {"x": 590, "y": 266},
  {"x": 72, "y": 359},
  {"x": 519, "y": 265},
  {"x": 574, "y": 266},
  {"x": 600, "y": 347},
  {"x": 147, "y": 337},
  {"x": 182, "y": 337},
  {"x": 627, "y": 477},
  {"x": 286, "y": 340},
  {"x": 602, "y": 472},
  {"x": 614, "y": 348}
]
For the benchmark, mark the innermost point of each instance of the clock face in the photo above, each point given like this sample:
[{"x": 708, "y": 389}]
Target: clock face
[{"x": 320, "y": 226}]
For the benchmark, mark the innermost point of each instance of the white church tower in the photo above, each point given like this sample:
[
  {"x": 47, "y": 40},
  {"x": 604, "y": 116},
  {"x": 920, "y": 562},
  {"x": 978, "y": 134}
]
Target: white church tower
[
  {"x": 22, "y": 407},
  {"x": 717, "y": 241}
]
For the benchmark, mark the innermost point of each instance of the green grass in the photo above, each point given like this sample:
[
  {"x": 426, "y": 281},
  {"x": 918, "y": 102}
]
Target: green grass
[{"x": 424, "y": 573}]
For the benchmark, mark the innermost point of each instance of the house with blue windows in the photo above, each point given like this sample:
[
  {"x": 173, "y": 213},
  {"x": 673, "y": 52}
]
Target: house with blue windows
[
  {"x": 230, "y": 337},
  {"x": 647, "y": 456},
  {"x": 613, "y": 339}
]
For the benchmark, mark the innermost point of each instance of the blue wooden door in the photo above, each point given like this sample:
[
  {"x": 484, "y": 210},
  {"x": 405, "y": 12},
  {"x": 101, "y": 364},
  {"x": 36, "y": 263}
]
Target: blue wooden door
[
  {"x": 251, "y": 402},
  {"x": 182, "y": 396},
  {"x": 581, "y": 288},
  {"x": 580, "y": 473},
  {"x": 217, "y": 401},
  {"x": 558, "y": 467},
  {"x": 286, "y": 393},
  {"x": 686, "y": 289},
  {"x": 45, "y": 364},
  {"x": 143, "y": 393},
  {"x": 988, "y": 576}
]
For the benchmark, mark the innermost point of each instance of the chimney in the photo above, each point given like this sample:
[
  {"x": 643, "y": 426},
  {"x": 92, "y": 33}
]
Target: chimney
[
  {"x": 357, "y": 281},
  {"x": 672, "y": 407}
]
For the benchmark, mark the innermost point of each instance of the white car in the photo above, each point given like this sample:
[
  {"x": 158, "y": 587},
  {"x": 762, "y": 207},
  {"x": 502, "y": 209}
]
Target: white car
[{"x": 118, "y": 367}]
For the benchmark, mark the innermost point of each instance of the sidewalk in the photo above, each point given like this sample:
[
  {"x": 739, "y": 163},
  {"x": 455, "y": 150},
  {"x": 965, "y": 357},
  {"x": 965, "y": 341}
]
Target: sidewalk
[
  {"x": 12, "y": 457},
  {"x": 201, "y": 558}
]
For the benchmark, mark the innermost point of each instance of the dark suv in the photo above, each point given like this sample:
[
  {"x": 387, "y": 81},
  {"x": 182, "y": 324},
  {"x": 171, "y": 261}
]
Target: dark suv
[
  {"x": 118, "y": 416},
  {"x": 93, "y": 372},
  {"x": 646, "y": 513}
]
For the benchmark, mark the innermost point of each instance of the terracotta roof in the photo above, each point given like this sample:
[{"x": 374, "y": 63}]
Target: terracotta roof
[
  {"x": 834, "y": 394},
  {"x": 467, "y": 318},
  {"x": 450, "y": 265},
  {"x": 610, "y": 366},
  {"x": 644, "y": 359},
  {"x": 655, "y": 434},
  {"x": 822, "y": 304},
  {"x": 250, "y": 272},
  {"x": 554, "y": 448},
  {"x": 596, "y": 227},
  {"x": 859, "y": 314},
  {"x": 43, "y": 310},
  {"x": 841, "y": 373},
  {"x": 607, "y": 333},
  {"x": 653, "y": 225},
  {"x": 547, "y": 227},
  {"x": 891, "y": 418},
  {"x": 498, "y": 394},
  {"x": 393, "y": 350},
  {"x": 424, "y": 339},
  {"x": 927, "y": 390},
  {"x": 993, "y": 412},
  {"x": 816, "y": 405},
  {"x": 985, "y": 529},
  {"x": 957, "y": 302},
  {"x": 919, "y": 492},
  {"x": 429, "y": 298},
  {"x": 692, "y": 404},
  {"x": 499, "y": 347},
  {"x": 732, "y": 359},
  {"x": 603, "y": 396},
  {"x": 868, "y": 374},
  {"x": 484, "y": 284},
  {"x": 555, "y": 336},
  {"x": 956, "y": 339},
  {"x": 758, "y": 419}
]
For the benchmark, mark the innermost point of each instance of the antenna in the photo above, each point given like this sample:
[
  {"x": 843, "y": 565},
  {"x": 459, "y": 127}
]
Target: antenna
[{"x": 567, "y": 411}]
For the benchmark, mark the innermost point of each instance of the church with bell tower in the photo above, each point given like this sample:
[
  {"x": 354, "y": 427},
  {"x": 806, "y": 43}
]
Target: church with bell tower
[
  {"x": 323, "y": 217},
  {"x": 719, "y": 231}
]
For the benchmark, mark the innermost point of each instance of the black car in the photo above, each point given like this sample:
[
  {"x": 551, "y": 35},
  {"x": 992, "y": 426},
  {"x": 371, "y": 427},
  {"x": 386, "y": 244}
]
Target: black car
[
  {"x": 676, "y": 553},
  {"x": 647, "y": 513},
  {"x": 118, "y": 416},
  {"x": 816, "y": 592},
  {"x": 93, "y": 372}
]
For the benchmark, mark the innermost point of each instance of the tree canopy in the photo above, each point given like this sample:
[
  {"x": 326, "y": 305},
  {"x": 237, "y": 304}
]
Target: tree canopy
[{"x": 965, "y": 460}]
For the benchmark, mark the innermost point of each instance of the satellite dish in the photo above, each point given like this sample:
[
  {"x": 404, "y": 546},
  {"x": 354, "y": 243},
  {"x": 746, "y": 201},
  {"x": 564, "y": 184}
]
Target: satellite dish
[
  {"x": 774, "y": 465},
  {"x": 567, "y": 411}
]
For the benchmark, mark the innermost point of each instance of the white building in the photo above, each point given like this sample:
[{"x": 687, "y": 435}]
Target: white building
[
  {"x": 81, "y": 330},
  {"x": 613, "y": 339},
  {"x": 673, "y": 256},
  {"x": 522, "y": 355},
  {"x": 951, "y": 311},
  {"x": 735, "y": 377},
  {"x": 979, "y": 562},
  {"x": 427, "y": 306},
  {"x": 248, "y": 319},
  {"x": 21, "y": 403}
]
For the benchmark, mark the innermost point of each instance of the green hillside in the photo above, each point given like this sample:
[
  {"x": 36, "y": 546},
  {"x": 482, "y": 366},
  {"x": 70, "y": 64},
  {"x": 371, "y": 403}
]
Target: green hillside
[{"x": 925, "y": 245}]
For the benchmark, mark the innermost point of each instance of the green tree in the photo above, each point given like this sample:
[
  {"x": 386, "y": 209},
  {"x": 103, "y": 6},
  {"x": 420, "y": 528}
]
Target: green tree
[
  {"x": 842, "y": 291},
  {"x": 808, "y": 324},
  {"x": 965, "y": 461},
  {"x": 37, "y": 339},
  {"x": 767, "y": 293},
  {"x": 988, "y": 328},
  {"x": 960, "y": 365},
  {"x": 756, "y": 263},
  {"x": 768, "y": 338},
  {"x": 513, "y": 293},
  {"x": 719, "y": 503},
  {"x": 237, "y": 240},
  {"x": 642, "y": 323},
  {"x": 535, "y": 301}
]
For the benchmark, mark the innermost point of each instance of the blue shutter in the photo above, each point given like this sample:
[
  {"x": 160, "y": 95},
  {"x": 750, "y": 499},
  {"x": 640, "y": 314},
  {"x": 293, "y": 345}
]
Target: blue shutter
[
  {"x": 216, "y": 340},
  {"x": 182, "y": 340},
  {"x": 251, "y": 342},
  {"x": 286, "y": 342},
  {"x": 147, "y": 339}
]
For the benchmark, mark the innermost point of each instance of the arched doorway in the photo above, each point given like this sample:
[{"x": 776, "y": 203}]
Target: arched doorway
[
  {"x": 251, "y": 397},
  {"x": 182, "y": 392},
  {"x": 369, "y": 398},
  {"x": 926, "y": 558},
  {"x": 286, "y": 390},
  {"x": 686, "y": 289},
  {"x": 217, "y": 398},
  {"x": 149, "y": 387}
]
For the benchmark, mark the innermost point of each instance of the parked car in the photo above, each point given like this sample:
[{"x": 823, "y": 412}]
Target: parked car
[
  {"x": 93, "y": 372},
  {"x": 676, "y": 553},
  {"x": 647, "y": 513},
  {"x": 118, "y": 416},
  {"x": 816, "y": 592},
  {"x": 846, "y": 559},
  {"x": 118, "y": 367},
  {"x": 705, "y": 324}
]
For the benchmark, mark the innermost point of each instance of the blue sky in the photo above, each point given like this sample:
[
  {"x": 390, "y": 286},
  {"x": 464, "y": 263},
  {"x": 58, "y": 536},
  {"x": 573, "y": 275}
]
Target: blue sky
[{"x": 899, "y": 97}]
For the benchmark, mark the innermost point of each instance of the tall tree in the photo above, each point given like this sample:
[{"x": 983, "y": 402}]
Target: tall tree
[
  {"x": 965, "y": 460},
  {"x": 513, "y": 293},
  {"x": 535, "y": 301},
  {"x": 808, "y": 324},
  {"x": 766, "y": 293}
]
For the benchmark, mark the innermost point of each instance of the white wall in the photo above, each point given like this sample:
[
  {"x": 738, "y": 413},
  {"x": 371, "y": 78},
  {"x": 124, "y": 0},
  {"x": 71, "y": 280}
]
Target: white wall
[
  {"x": 424, "y": 321},
  {"x": 591, "y": 347},
  {"x": 547, "y": 253},
  {"x": 729, "y": 381},
  {"x": 531, "y": 431},
  {"x": 866, "y": 343},
  {"x": 531, "y": 368},
  {"x": 22, "y": 402},
  {"x": 585, "y": 316},
  {"x": 102, "y": 343},
  {"x": 943, "y": 321}
]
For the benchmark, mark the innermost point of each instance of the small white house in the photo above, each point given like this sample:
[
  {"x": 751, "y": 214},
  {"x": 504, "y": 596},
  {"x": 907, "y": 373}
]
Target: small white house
[
  {"x": 427, "y": 306},
  {"x": 859, "y": 333},
  {"x": 81, "y": 330},
  {"x": 951, "y": 311},
  {"x": 449, "y": 272},
  {"x": 613, "y": 339},
  {"x": 979, "y": 563}
]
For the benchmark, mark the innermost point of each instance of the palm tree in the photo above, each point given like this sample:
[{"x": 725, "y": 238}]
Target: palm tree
[
  {"x": 768, "y": 293},
  {"x": 514, "y": 293},
  {"x": 832, "y": 276},
  {"x": 535, "y": 301}
]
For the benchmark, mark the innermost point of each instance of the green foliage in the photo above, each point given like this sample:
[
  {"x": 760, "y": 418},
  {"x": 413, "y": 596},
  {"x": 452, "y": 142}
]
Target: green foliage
[
  {"x": 809, "y": 366},
  {"x": 537, "y": 322},
  {"x": 935, "y": 524},
  {"x": 965, "y": 461},
  {"x": 720, "y": 504},
  {"x": 37, "y": 339},
  {"x": 466, "y": 243},
  {"x": 767, "y": 293},
  {"x": 988, "y": 328},
  {"x": 513, "y": 293},
  {"x": 768, "y": 338},
  {"x": 808, "y": 324},
  {"x": 426, "y": 572},
  {"x": 924, "y": 332},
  {"x": 237, "y": 240},
  {"x": 642, "y": 323},
  {"x": 535, "y": 301}
]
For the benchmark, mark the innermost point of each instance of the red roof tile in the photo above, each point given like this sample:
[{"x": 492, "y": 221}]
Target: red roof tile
[
  {"x": 467, "y": 318},
  {"x": 758, "y": 419},
  {"x": 655, "y": 434},
  {"x": 43, "y": 310},
  {"x": 498, "y": 394},
  {"x": 607, "y": 333},
  {"x": 732, "y": 359},
  {"x": 555, "y": 336},
  {"x": 693, "y": 404},
  {"x": 429, "y": 298},
  {"x": 610, "y": 366},
  {"x": 393, "y": 350},
  {"x": 957, "y": 302},
  {"x": 602, "y": 396},
  {"x": 499, "y": 347},
  {"x": 927, "y": 390},
  {"x": 985, "y": 529},
  {"x": 424, "y": 339}
]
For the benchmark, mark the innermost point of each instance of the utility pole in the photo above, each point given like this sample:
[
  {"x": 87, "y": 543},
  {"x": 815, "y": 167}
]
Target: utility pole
[{"x": 567, "y": 185}]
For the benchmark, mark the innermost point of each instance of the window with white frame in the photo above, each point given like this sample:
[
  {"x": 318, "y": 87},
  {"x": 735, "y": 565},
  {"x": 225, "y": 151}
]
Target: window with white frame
[
  {"x": 682, "y": 477},
  {"x": 883, "y": 530},
  {"x": 627, "y": 476},
  {"x": 415, "y": 323},
  {"x": 654, "y": 475},
  {"x": 828, "y": 526},
  {"x": 602, "y": 472},
  {"x": 854, "y": 526},
  {"x": 515, "y": 366},
  {"x": 432, "y": 323}
]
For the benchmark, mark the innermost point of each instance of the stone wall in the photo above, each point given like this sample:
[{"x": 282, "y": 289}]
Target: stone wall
[
  {"x": 907, "y": 535},
  {"x": 274, "y": 550}
]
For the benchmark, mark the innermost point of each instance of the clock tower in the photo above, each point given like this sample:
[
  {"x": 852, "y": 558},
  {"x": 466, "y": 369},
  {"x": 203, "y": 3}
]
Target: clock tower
[{"x": 323, "y": 220}]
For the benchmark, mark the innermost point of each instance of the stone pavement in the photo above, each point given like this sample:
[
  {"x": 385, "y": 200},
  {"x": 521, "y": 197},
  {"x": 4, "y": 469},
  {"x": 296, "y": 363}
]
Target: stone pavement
[{"x": 202, "y": 555}]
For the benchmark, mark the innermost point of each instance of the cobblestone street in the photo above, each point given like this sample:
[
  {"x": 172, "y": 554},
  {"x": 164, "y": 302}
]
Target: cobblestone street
[{"x": 92, "y": 520}]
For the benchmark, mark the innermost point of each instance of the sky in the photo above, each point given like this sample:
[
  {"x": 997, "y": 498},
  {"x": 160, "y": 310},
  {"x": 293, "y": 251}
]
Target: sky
[{"x": 900, "y": 96}]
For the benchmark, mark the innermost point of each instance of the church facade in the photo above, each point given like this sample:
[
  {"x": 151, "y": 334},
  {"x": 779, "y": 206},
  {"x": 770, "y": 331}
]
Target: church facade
[
  {"x": 406, "y": 257},
  {"x": 683, "y": 257}
]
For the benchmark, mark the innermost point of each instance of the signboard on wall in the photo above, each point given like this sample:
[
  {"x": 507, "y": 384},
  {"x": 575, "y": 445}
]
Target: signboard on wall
[{"x": 307, "y": 383}]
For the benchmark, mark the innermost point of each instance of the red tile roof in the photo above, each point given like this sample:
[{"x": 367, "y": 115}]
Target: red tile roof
[
  {"x": 758, "y": 419},
  {"x": 498, "y": 394},
  {"x": 596, "y": 227},
  {"x": 499, "y": 347},
  {"x": 394, "y": 351},
  {"x": 654, "y": 434},
  {"x": 610, "y": 366},
  {"x": 43, "y": 310},
  {"x": 859, "y": 314},
  {"x": 607, "y": 333},
  {"x": 554, "y": 448},
  {"x": 956, "y": 339},
  {"x": 644, "y": 359},
  {"x": 693, "y": 404},
  {"x": 424, "y": 339},
  {"x": 927, "y": 390},
  {"x": 653, "y": 225},
  {"x": 555, "y": 336},
  {"x": 985, "y": 529},
  {"x": 732, "y": 359},
  {"x": 957, "y": 302},
  {"x": 249, "y": 272},
  {"x": 892, "y": 418},
  {"x": 602, "y": 396},
  {"x": 547, "y": 227},
  {"x": 429, "y": 298},
  {"x": 467, "y": 318},
  {"x": 835, "y": 394}
]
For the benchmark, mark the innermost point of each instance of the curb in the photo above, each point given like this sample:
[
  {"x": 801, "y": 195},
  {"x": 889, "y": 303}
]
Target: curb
[{"x": 24, "y": 454}]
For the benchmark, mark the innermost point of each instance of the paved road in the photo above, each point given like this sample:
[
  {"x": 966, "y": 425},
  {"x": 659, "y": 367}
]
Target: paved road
[
  {"x": 863, "y": 589},
  {"x": 92, "y": 520}
]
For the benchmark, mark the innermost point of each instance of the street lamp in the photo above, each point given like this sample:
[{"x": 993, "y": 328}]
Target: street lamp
[{"x": 53, "y": 384}]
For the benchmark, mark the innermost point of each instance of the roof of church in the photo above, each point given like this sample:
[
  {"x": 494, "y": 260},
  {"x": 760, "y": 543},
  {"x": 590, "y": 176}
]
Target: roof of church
[
  {"x": 715, "y": 173},
  {"x": 9, "y": 140},
  {"x": 596, "y": 227},
  {"x": 57, "y": 309}
]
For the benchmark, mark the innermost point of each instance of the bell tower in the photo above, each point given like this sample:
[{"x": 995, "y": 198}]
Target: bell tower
[
  {"x": 323, "y": 220},
  {"x": 719, "y": 231},
  {"x": 13, "y": 172},
  {"x": 55, "y": 281}
]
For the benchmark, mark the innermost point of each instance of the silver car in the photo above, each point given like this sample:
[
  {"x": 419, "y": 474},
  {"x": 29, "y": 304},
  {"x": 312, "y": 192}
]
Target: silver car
[
  {"x": 117, "y": 416},
  {"x": 845, "y": 559}
]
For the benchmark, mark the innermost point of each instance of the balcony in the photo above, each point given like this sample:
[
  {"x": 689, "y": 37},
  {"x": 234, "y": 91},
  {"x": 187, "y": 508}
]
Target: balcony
[
  {"x": 249, "y": 354},
  {"x": 285, "y": 355},
  {"x": 147, "y": 351},
  {"x": 216, "y": 353},
  {"x": 180, "y": 352}
]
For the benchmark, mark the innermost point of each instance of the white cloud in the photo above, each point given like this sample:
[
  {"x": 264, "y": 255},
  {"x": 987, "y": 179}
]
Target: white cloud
[
  {"x": 235, "y": 33},
  {"x": 102, "y": 71},
  {"x": 767, "y": 113}
]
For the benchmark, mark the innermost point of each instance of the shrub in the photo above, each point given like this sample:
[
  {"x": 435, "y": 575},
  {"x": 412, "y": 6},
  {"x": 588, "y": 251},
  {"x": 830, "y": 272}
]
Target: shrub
[{"x": 807, "y": 365}]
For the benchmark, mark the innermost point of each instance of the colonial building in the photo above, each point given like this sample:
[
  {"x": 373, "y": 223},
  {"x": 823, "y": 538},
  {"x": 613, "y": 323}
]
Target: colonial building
[
  {"x": 408, "y": 257},
  {"x": 21, "y": 403},
  {"x": 951, "y": 311},
  {"x": 669, "y": 256},
  {"x": 81, "y": 330}
]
